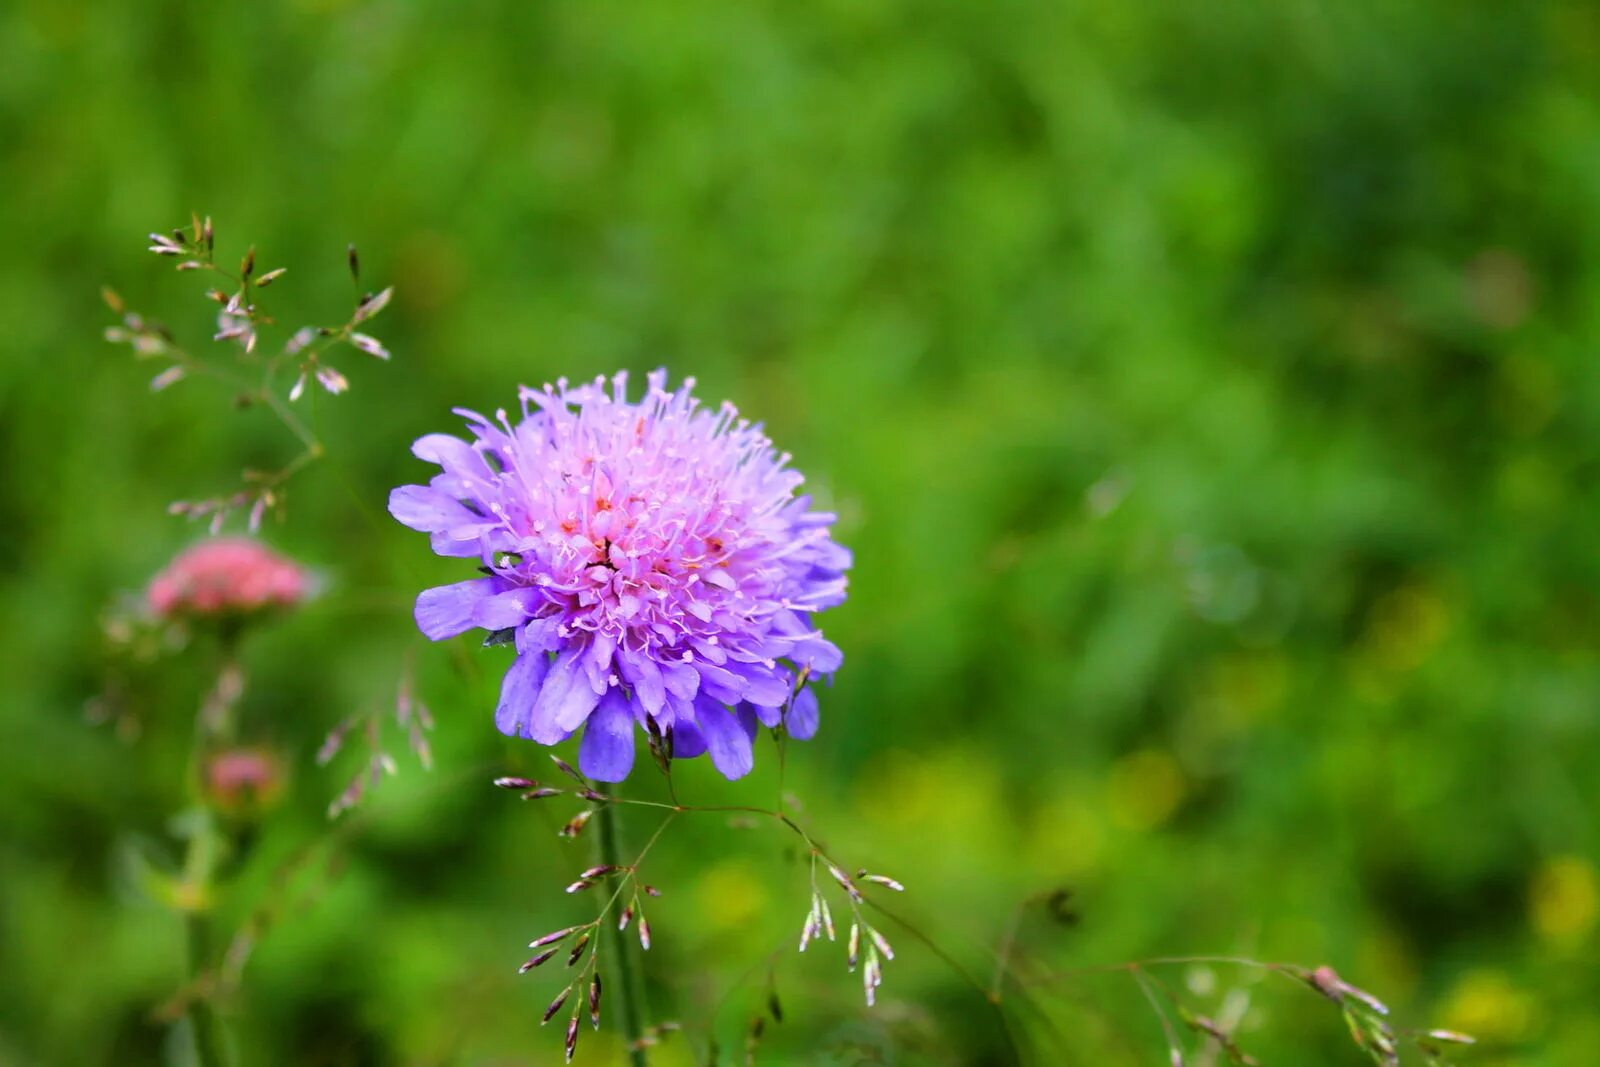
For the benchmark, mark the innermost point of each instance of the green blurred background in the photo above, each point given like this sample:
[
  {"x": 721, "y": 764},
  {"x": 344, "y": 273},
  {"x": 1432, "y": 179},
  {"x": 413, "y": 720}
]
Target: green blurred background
[{"x": 1209, "y": 391}]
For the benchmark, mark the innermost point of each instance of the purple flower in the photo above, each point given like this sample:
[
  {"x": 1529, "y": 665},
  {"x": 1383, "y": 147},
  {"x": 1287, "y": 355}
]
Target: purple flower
[{"x": 650, "y": 559}]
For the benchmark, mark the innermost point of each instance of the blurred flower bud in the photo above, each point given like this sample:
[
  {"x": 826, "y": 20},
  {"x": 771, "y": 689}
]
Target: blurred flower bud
[{"x": 244, "y": 781}]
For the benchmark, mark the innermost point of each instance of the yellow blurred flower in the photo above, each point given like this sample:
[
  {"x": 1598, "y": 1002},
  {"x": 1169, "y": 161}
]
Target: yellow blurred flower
[
  {"x": 1487, "y": 1006},
  {"x": 1144, "y": 789},
  {"x": 1067, "y": 836},
  {"x": 730, "y": 894},
  {"x": 1564, "y": 900},
  {"x": 953, "y": 789},
  {"x": 1405, "y": 626}
]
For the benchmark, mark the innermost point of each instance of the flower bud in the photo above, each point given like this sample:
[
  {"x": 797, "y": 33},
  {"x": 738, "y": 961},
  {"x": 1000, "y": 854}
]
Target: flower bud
[{"x": 244, "y": 782}]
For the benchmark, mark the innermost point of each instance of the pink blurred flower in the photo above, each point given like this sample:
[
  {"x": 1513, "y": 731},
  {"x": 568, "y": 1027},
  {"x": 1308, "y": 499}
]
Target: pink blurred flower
[
  {"x": 244, "y": 779},
  {"x": 226, "y": 576}
]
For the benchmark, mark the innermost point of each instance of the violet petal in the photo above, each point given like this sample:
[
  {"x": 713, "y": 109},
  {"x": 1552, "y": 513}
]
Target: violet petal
[{"x": 606, "y": 752}]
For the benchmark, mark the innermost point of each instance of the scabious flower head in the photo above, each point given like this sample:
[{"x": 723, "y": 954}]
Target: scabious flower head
[
  {"x": 226, "y": 577},
  {"x": 651, "y": 560}
]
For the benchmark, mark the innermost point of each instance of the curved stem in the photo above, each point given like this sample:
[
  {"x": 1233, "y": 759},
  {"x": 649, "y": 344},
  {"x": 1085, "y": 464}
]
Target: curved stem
[
  {"x": 624, "y": 988},
  {"x": 291, "y": 421}
]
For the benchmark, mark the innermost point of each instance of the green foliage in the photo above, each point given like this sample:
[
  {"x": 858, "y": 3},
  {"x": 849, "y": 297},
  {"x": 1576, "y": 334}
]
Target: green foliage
[{"x": 1209, "y": 391}]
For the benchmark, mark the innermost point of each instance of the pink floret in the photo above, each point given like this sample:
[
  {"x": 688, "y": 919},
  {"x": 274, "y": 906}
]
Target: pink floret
[{"x": 226, "y": 576}]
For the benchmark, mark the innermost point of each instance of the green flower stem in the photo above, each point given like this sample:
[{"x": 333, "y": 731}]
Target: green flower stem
[
  {"x": 207, "y": 849},
  {"x": 210, "y": 1045},
  {"x": 623, "y": 990}
]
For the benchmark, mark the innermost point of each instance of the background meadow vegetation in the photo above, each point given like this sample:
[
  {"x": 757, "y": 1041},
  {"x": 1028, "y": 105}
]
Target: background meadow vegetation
[{"x": 1210, "y": 393}]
